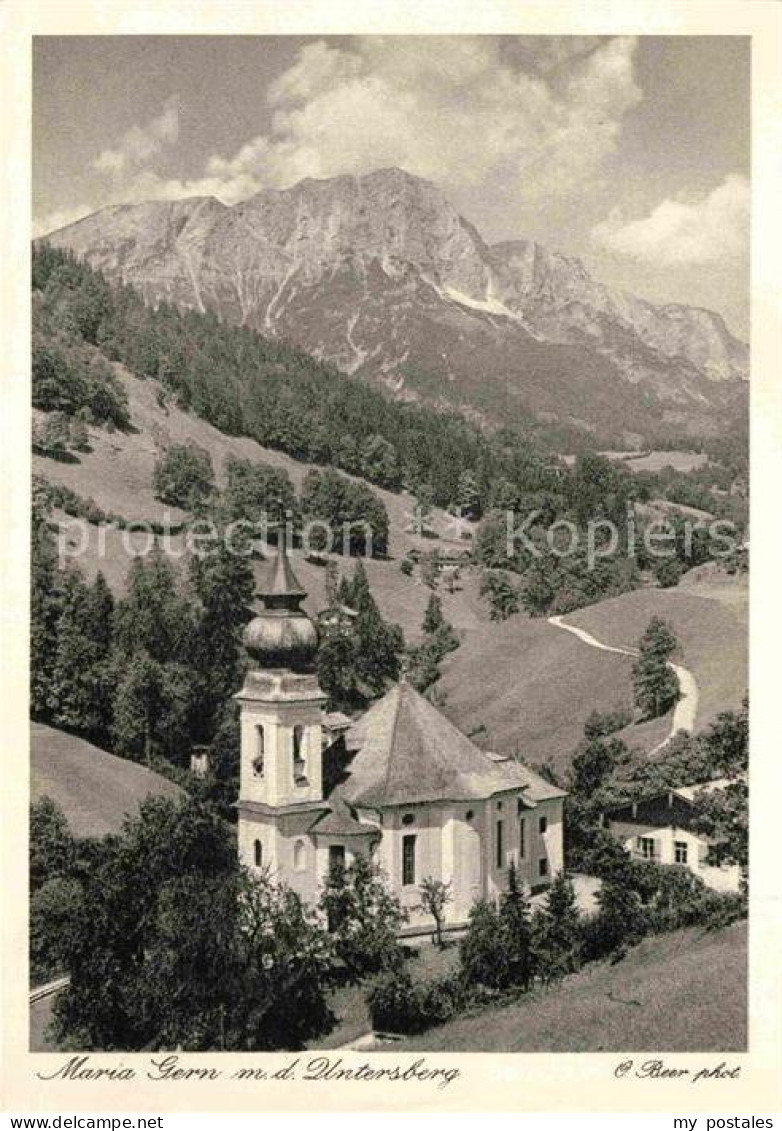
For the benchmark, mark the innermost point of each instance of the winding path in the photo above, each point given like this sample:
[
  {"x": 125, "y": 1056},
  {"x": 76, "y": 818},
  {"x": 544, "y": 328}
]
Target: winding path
[{"x": 687, "y": 704}]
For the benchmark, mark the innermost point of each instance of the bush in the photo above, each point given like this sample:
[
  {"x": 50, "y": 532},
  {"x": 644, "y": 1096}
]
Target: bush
[
  {"x": 503, "y": 597},
  {"x": 364, "y": 919},
  {"x": 397, "y": 1004},
  {"x": 184, "y": 476},
  {"x": 497, "y": 950},
  {"x": 599, "y": 724},
  {"x": 720, "y": 909},
  {"x": 54, "y": 909},
  {"x": 668, "y": 573}
]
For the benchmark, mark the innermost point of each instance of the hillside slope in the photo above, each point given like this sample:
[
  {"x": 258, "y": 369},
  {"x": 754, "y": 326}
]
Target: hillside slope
[
  {"x": 380, "y": 275},
  {"x": 95, "y": 790},
  {"x": 544, "y": 683},
  {"x": 683, "y": 992},
  {"x": 117, "y": 473}
]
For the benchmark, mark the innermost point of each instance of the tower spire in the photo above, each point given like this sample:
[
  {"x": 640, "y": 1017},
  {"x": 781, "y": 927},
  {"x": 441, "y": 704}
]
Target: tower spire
[
  {"x": 282, "y": 635},
  {"x": 282, "y": 588}
]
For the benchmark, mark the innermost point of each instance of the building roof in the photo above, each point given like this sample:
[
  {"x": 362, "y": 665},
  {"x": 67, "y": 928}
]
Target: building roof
[
  {"x": 336, "y": 719},
  {"x": 683, "y": 793},
  {"x": 281, "y": 581},
  {"x": 688, "y": 792},
  {"x": 538, "y": 788},
  {"x": 339, "y": 820},
  {"x": 282, "y": 636},
  {"x": 405, "y": 751},
  {"x": 671, "y": 807}
]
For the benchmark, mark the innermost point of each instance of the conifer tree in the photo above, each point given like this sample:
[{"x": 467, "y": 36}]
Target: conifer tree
[
  {"x": 332, "y": 585},
  {"x": 557, "y": 931},
  {"x": 153, "y": 617},
  {"x": 361, "y": 598},
  {"x": 77, "y": 697},
  {"x": 44, "y": 610},
  {"x": 656, "y": 685},
  {"x": 433, "y": 617},
  {"x": 516, "y": 926}
]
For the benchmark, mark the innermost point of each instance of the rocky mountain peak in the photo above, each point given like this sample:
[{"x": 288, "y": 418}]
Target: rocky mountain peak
[{"x": 380, "y": 274}]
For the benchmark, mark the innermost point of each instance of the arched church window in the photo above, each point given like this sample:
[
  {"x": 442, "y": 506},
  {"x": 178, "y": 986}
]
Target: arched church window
[
  {"x": 258, "y": 854},
  {"x": 299, "y": 762},
  {"x": 299, "y": 855},
  {"x": 468, "y": 816},
  {"x": 260, "y": 744}
]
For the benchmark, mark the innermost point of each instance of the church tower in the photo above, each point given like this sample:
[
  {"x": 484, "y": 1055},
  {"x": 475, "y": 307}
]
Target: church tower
[{"x": 281, "y": 709}]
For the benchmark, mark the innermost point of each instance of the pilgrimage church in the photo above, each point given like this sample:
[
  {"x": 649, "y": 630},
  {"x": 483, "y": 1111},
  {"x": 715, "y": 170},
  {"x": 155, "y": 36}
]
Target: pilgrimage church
[{"x": 402, "y": 784}]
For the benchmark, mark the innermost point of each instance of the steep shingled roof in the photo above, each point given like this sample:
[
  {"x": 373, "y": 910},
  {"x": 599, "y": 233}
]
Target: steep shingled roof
[
  {"x": 280, "y": 580},
  {"x": 538, "y": 788},
  {"x": 407, "y": 752}
]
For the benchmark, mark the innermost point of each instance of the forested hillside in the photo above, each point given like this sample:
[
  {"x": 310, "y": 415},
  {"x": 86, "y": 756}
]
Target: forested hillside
[
  {"x": 246, "y": 384},
  {"x": 146, "y": 663}
]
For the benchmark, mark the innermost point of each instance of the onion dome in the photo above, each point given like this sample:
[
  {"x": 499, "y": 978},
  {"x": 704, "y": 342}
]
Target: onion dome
[{"x": 282, "y": 636}]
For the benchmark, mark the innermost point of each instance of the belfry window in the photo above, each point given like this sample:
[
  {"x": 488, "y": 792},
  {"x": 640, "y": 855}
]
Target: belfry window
[
  {"x": 259, "y": 752},
  {"x": 299, "y": 761}
]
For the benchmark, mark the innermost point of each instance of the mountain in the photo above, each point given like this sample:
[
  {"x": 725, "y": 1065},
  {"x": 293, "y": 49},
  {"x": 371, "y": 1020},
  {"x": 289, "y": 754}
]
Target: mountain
[{"x": 380, "y": 275}]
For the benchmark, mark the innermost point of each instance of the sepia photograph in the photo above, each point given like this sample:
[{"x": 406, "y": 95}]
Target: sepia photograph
[{"x": 389, "y": 562}]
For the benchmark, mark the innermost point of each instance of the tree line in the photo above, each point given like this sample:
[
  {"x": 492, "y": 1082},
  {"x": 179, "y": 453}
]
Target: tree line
[
  {"x": 151, "y": 674},
  {"x": 169, "y": 943},
  {"x": 246, "y": 384}
]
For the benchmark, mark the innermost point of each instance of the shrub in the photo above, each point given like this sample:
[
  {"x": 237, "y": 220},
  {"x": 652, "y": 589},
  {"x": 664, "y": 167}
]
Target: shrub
[
  {"x": 497, "y": 952},
  {"x": 398, "y": 1004},
  {"x": 364, "y": 919},
  {"x": 183, "y": 477},
  {"x": 668, "y": 573},
  {"x": 54, "y": 908},
  {"x": 599, "y": 724},
  {"x": 620, "y": 923},
  {"x": 720, "y": 909},
  {"x": 503, "y": 597}
]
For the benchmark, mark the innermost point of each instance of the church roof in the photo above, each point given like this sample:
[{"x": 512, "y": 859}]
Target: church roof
[
  {"x": 281, "y": 581},
  {"x": 407, "y": 752},
  {"x": 538, "y": 788},
  {"x": 339, "y": 821}
]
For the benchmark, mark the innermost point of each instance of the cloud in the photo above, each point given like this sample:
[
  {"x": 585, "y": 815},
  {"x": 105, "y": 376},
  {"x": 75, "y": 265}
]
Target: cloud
[
  {"x": 460, "y": 110},
  {"x": 141, "y": 143},
  {"x": 505, "y": 123},
  {"x": 712, "y": 229},
  {"x": 457, "y": 110}
]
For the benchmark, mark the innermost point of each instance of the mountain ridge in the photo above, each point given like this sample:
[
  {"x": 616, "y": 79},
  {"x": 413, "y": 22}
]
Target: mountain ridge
[{"x": 382, "y": 276}]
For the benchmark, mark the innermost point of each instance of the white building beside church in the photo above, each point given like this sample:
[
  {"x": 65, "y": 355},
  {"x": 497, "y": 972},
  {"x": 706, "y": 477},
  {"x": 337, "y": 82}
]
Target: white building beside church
[
  {"x": 402, "y": 784},
  {"x": 660, "y": 828}
]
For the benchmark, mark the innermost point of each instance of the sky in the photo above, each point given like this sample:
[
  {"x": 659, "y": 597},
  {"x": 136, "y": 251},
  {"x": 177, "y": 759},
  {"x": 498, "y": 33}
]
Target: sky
[{"x": 631, "y": 153}]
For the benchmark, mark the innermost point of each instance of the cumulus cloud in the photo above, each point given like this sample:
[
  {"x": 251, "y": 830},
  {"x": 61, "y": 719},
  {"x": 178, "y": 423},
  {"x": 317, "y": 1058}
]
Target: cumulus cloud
[
  {"x": 458, "y": 110},
  {"x": 512, "y": 123},
  {"x": 141, "y": 144},
  {"x": 711, "y": 229},
  {"x": 463, "y": 111}
]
